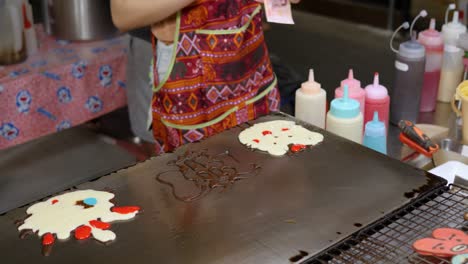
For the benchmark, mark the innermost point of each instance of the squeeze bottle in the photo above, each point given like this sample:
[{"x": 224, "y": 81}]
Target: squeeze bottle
[
  {"x": 377, "y": 100},
  {"x": 345, "y": 118},
  {"x": 311, "y": 102},
  {"x": 463, "y": 7},
  {"x": 29, "y": 30},
  {"x": 356, "y": 92},
  {"x": 432, "y": 40},
  {"x": 452, "y": 65},
  {"x": 410, "y": 64},
  {"x": 375, "y": 135}
]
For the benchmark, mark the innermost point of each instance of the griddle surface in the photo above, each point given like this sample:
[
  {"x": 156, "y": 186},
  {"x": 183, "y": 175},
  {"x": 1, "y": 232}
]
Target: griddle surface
[{"x": 303, "y": 202}]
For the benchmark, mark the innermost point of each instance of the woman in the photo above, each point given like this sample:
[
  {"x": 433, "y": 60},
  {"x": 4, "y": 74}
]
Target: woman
[{"x": 211, "y": 69}]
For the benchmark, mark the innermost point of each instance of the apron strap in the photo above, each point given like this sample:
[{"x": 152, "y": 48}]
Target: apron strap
[
  {"x": 154, "y": 72},
  {"x": 155, "y": 60}
]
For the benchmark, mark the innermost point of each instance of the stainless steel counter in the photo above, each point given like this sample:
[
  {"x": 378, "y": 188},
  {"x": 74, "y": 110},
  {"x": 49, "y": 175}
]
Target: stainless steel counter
[{"x": 306, "y": 201}]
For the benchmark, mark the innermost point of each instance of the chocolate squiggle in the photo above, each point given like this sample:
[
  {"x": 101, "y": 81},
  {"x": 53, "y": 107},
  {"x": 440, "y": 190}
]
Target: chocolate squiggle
[{"x": 206, "y": 172}]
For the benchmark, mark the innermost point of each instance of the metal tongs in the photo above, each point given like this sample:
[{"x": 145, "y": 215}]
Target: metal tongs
[{"x": 415, "y": 138}]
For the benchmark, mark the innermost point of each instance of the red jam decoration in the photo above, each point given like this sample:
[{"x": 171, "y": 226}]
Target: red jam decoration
[
  {"x": 298, "y": 148},
  {"x": 54, "y": 201},
  {"x": 256, "y": 141},
  {"x": 125, "y": 209},
  {"x": 285, "y": 129},
  {"x": 82, "y": 232},
  {"x": 99, "y": 224},
  {"x": 267, "y": 132},
  {"x": 48, "y": 239}
]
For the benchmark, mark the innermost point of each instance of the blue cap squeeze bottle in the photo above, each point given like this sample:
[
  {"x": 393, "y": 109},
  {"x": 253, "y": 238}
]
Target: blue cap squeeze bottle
[
  {"x": 375, "y": 135},
  {"x": 345, "y": 118}
]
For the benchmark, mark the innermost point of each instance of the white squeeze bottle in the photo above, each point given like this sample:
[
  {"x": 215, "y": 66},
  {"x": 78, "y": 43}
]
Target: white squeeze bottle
[
  {"x": 452, "y": 65},
  {"x": 345, "y": 118},
  {"x": 311, "y": 102}
]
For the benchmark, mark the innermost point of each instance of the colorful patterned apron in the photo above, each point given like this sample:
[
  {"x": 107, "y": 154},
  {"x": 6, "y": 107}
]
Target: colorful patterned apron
[{"x": 220, "y": 75}]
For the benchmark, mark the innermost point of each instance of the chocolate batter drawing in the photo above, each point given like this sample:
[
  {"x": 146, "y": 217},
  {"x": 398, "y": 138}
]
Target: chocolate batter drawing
[{"x": 205, "y": 172}]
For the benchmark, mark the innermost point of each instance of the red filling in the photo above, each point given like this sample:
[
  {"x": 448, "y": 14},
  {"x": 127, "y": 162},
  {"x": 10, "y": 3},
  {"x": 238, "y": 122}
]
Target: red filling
[
  {"x": 54, "y": 201},
  {"x": 267, "y": 132},
  {"x": 48, "y": 239},
  {"x": 99, "y": 224},
  {"x": 297, "y": 148},
  {"x": 256, "y": 141},
  {"x": 82, "y": 232},
  {"x": 125, "y": 209}
]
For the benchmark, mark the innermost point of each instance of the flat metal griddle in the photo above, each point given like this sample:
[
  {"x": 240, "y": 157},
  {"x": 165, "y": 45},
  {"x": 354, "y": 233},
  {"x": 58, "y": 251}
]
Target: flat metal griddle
[
  {"x": 36, "y": 169},
  {"x": 308, "y": 201}
]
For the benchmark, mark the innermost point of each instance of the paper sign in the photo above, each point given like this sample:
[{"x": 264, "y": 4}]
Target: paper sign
[{"x": 279, "y": 11}]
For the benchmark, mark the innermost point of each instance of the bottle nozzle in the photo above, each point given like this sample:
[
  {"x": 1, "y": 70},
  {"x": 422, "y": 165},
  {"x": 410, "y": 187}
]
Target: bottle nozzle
[
  {"x": 376, "y": 79},
  {"x": 450, "y": 7},
  {"x": 311, "y": 75},
  {"x": 455, "y": 17},
  {"x": 376, "y": 116},
  {"x": 351, "y": 74},
  {"x": 432, "y": 25},
  {"x": 346, "y": 92},
  {"x": 423, "y": 13},
  {"x": 311, "y": 87},
  {"x": 405, "y": 25}
]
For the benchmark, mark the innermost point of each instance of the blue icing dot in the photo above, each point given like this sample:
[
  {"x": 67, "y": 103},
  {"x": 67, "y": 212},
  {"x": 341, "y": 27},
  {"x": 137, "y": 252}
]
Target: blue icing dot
[{"x": 90, "y": 201}]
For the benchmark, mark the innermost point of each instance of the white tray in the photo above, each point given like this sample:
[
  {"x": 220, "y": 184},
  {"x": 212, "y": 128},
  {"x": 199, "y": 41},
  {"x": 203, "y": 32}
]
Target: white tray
[{"x": 449, "y": 169}]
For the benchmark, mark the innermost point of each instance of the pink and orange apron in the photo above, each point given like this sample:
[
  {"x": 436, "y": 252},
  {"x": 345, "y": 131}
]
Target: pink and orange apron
[{"x": 220, "y": 75}]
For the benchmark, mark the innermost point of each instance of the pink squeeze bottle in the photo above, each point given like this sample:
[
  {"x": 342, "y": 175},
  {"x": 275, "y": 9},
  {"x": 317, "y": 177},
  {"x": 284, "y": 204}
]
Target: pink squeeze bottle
[
  {"x": 356, "y": 92},
  {"x": 377, "y": 100},
  {"x": 432, "y": 40}
]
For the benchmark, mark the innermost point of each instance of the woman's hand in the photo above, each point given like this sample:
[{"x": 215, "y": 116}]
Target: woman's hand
[
  {"x": 164, "y": 31},
  {"x": 130, "y": 14}
]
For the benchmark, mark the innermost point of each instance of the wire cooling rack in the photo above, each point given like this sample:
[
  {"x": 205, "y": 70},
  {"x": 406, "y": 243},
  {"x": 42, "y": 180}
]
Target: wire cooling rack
[{"x": 390, "y": 240}]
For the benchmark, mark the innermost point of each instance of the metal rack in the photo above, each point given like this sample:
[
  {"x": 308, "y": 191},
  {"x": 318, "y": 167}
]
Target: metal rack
[{"x": 390, "y": 240}]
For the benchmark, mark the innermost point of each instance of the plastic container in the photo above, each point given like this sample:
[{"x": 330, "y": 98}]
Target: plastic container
[
  {"x": 345, "y": 118},
  {"x": 12, "y": 46},
  {"x": 375, "y": 135},
  {"x": 452, "y": 66},
  {"x": 356, "y": 92},
  {"x": 311, "y": 102},
  {"x": 410, "y": 64},
  {"x": 29, "y": 30},
  {"x": 463, "y": 41},
  {"x": 432, "y": 40},
  {"x": 463, "y": 7},
  {"x": 377, "y": 100},
  {"x": 451, "y": 169}
]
